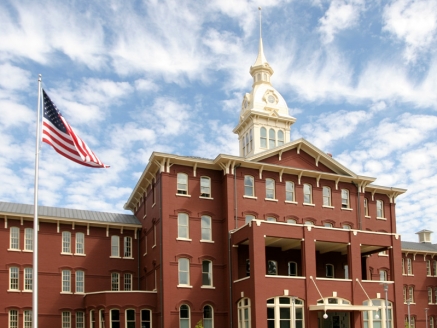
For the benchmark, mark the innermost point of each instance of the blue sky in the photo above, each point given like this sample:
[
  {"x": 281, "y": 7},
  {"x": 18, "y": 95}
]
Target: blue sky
[{"x": 134, "y": 77}]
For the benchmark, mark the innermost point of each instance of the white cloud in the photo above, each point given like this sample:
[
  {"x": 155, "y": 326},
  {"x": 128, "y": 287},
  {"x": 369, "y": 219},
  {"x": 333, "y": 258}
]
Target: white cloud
[
  {"x": 146, "y": 85},
  {"x": 14, "y": 77}
]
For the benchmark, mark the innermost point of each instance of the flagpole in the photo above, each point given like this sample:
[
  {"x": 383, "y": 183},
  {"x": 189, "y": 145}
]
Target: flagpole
[{"x": 35, "y": 217}]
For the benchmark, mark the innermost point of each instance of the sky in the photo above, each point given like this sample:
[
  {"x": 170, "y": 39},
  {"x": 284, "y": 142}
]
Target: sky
[{"x": 135, "y": 77}]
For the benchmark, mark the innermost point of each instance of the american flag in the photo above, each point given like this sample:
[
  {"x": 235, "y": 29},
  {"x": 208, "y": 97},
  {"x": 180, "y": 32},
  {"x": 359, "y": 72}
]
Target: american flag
[{"x": 59, "y": 134}]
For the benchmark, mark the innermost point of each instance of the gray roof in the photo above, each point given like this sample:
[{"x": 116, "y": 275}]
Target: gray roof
[
  {"x": 68, "y": 214},
  {"x": 420, "y": 247}
]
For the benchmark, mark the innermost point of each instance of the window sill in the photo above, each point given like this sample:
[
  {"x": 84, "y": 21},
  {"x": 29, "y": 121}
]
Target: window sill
[
  {"x": 115, "y": 257},
  {"x": 271, "y": 199},
  {"x": 62, "y": 253},
  {"x": 27, "y": 251},
  {"x": 203, "y": 197},
  {"x": 183, "y": 195},
  {"x": 27, "y": 291},
  {"x": 66, "y": 293},
  {"x": 207, "y": 241},
  {"x": 13, "y": 291},
  {"x": 14, "y": 250},
  {"x": 250, "y": 197},
  {"x": 346, "y": 209},
  {"x": 183, "y": 239},
  {"x": 290, "y": 202},
  {"x": 383, "y": 219},
  {"x": 367, "y": 216},
  {"x": 79, "y": 254},
  {"x": 79, "y": 293},
  {"x": 328, "y": 206},
  {"x": 386, "y": 255},
  {"x": 184, "y": 286},
  {"x": 128, "y": 258},
  {"x": 308, "y": 204},
  {"x": 207, "y": 287}
]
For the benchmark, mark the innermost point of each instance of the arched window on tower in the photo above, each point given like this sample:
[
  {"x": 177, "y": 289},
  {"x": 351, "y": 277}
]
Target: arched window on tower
[
  {"x": 272, "y": 138},
  {"x": 263, "y": 137},
  {"x": 250, "y": 141},
  {"x": 280, "y": 138}
]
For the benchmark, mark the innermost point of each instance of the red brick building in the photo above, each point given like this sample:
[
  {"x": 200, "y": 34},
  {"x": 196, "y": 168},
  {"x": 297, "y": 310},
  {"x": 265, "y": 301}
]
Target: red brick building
[{"x": 281, "y": 236}]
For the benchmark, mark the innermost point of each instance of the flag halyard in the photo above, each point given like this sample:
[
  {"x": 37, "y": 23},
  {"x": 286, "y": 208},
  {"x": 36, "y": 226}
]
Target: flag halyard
[{"x": 60, "y": 135}]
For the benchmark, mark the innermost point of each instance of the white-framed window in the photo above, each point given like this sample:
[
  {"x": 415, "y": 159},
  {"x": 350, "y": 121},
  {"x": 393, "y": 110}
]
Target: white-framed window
[
  {"x": 206, "y": 228},
  {"x": 308, "y": 222},
  {"x": 184, "y": 271},
  {"x": 291, "y": 221},
  {"x": 184, "y": 316},
  {"x": 206, "y": 273},
  {"x": 307, "y": 193},
  {"x": 272, "y": 267},
  {"x": 379, "y": 208},
  {"x": 66, "y": 281},
  {"x": 249, "y": 186},
  {"x": 115, "y": 281},
  {"x": 271, "y": 219},
  {"x": 327, "y": 224},
  {"x": 146, "y": 318},
  {"x": 244, "y": 313},
  {"x": 13, "y": 319},
  {"x": 13, "y": 278},
  {"x": 405, "y": 294},
  {"x": 80, "y": 281},
  {"x": 80, "y": 243},
  {"x": 329, "y": 270},
  {"x": 366, "y": 207},
  {"x": 280, "y": 138},
  {"x": 270, "y": 188},
  {"x": 92, "y": 319},
  {"x": 289, "y": 191},
  {"x": 205, "y": 187},
  {"x": 66, "y": 319},
  {"x": 383, "y": 275},
  {"x": 431, "y": 322},
  {"x": 130, "y": 318},
  {"x": 208, "y": 316},
  {"x": 430, "y": 295},
  {"x": 115, "y": 246},
  {"x": 128, "y": 247},
  {"x": 14, "y": 240},
  {"x": 326, "y": 196},
  {"x": 250, "y": 140},
  {"x": 292, "y": 269},
  {"x": 243, "y": 143},
  {"x": 377, "y": 318},
  {"x": 101, "y": 318},
  {"x": 182, "y": 181},
  {"x": 27, "y": 318},
  {"x": 28, "y": 279},
  {"x": 128, "y": 281},
  {"x": 411, "y": 293},
  {"x": 249, "y": 218},
  {"x": 285, "y": 311},
  {"x": 80, "y": 319},
  {"x": 346, "y": 226},
  {"x": 28, "y": 239},
  {"x": 434, "y": 268},
  {"x": 263, "y": 137},
  {"x": 66, "y": 242},
  {"x": 183, "y": 226},
  {"x": 409, "y": 266},
  {"x": 345, "y": 201},
  {"x": 272, "y": 138},
  {"x": 428, "y": 268},
  {"x": 115, "y": 318}
]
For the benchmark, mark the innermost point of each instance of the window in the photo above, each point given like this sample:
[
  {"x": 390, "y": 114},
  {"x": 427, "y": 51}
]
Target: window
[
  {"x": 66, "y": 319},
  {"x": 206, "y": 273},
  {"x": 243, "y": 142},
  {"x": 429, "y": 295},
  {"x": 206, "y": 227},
  {"x": 291, "y": 221},
  {"x": 280, "y": 138},
  {"x": 326, "y": 196},
  {"x": 345, "y": 198},
  {"x": 80, "y": 281},
  {"x": 92, "y": 319},
  {"x": 327, "y": 225},
  {"x": 308, "y": 222},
  {"x": 101, "y": 318},
  {"x": 115, "y": 281},
  {"x": 428, "y": 267},
  {"x": 183, "y": 226},
  {"x": 14, "y": 238},
  {"x": 270, "y": 189},
  {"x": 383, "y": 275},
  {"x": 405, "y": 294},
  {"x": 272, "y": 267},
  {"x": 248, "y": 186},
  {"x": 184, "y": 271},
  {"x": 307, "y": 194},
  {"x": 66, "y": 281},
  {"x": 272, "y": 138},
  {"x": 347, "y": 227},
  {"x": 289, "y": 191},
  {"x": 329, "y": 271},
  {"x": 146, "y": 319},
  {"x": 366, "y": 207},
  {"x": 184, "y": 316},
  {"x": 80, "y": 243},
  {"x": 66, "y": 242},
  {"x": 434, "y": 268},
  {"x": 208, "y": 317},
  {"x": 244, "y": 313},
  {"x": 80, "y": 319},
  {"x": 27, "y": 315},
  {"x": 182, "y": 184},
  {"x": 13, "y": 319},
  {"x": 205, "y": 187},
  {"x": 130, "y": 318},
  {"x": 263, "y": 138},
  {"x": 411, "y": 293},
  {"x": 128, "y": 281},
  {"x": 128, "y": 247},
  {"x": 431, "y": 322},
  {"x": 292, "y": 268},
  {"x": 13, "y": 278},
  {"x": 115, "y": 318},
  {"x": 378, "y": 318},
  {"x": 379, "y": 209},
  {"x": 28, "y": 279},
  {"x": 28, "y": 239},
  {"x": 250, "y": 141},
  {"x": 409, "y": 267},
  {"x": 249, "y": 218},
  {"x": 271, "y": 219},
  {"x": 115, "y": 246},
  {"x": 285, "y": 311}
]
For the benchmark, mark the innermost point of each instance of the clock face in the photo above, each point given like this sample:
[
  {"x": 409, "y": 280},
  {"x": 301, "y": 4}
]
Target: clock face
[{"x": 271, "y": 99}]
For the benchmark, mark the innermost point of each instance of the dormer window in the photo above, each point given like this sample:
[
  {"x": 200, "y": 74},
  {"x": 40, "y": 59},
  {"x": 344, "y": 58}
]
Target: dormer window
[
  {"x": 263, "y": 137},
  {"x": 272, "y": 138},
  {"x": 280, "y": 138}
]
